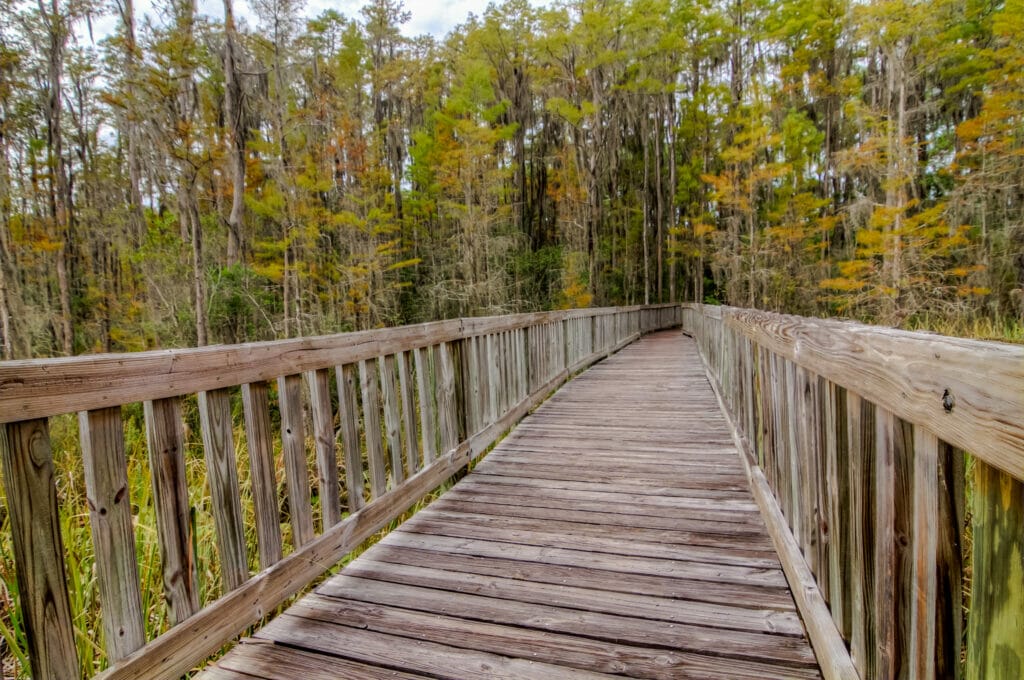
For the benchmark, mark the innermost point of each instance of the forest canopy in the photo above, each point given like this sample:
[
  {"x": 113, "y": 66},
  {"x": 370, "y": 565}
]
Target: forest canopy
[{"x": 188, "y": 180}]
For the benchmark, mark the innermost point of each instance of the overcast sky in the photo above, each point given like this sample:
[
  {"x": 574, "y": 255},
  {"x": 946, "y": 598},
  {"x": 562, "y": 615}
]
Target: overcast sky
[{"x": 436, "y": 17}]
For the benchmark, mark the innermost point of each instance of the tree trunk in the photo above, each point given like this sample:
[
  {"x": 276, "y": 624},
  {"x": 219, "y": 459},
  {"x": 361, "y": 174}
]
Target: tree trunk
[
  {"x": 235, "y": 139},
  {"x": 671, "y": 197},
  {"x": 60, "y": 206}
]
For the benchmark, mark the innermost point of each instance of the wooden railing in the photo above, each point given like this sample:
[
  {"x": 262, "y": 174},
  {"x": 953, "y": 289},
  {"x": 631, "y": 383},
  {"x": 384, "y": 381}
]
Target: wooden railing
[
  {"x": 415, "y": 404},
  {"x": 859, "y": 435}
]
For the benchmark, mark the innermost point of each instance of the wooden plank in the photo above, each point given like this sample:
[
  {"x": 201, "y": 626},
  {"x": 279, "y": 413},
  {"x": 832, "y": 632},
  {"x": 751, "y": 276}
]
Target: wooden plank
[
  {"x": 586, "y": 577},
  {"x": 425, "y": 391},
  {"x": 274, "y": 662},
  {"x": 860, "y": 421},
  {"x": 293, "y": 449},
  {"x": 319, "y": 383},
  {"x": 113, "y": 535},
  {"x": 372, "y": 431},
  {"x": 884, "y": 553},
  {"x": 697, "y": 571},
  {"x": 493, "y": 377},
  {"x": 348, "y": 405},
  {"x": 411, "y": 436},
  {"x": 538, "y": 532},
  {"x": 417, "y": 656},
  {"x": 908, "y": 373},
  {"x": 995, "y": 644},
  {"x": 256, "y": 405},
  {"x": 700, "y": 532},
  {"x": 475, "y": 396},
  {"x": 38, "y": 549},
  {"x": 555, "y": 645},
  {"x": 925, "y": 508},
  {"x": 837, "y": 489},
  {"x": 447, "y": 416},
  {"x": 949, "y": 566},
  {"x": 222, "y": 478},
  {"x": 165, "y": 441},
  {"x": 705, "y": 626},
  {"x": 392, "y": 418}
]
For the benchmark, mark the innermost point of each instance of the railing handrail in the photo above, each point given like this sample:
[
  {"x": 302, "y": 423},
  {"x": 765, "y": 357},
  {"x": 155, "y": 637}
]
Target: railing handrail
[
  {"x": 969, "y": 393},
  {"x": 41, "y": 388},
  {"x": 856, "y": 440}
]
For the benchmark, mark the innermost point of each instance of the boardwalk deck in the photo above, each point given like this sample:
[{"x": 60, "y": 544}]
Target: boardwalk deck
[{"x": 611, "y": 533}]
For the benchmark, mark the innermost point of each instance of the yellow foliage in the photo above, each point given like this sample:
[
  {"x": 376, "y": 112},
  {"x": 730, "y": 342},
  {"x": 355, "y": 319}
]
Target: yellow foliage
[
  {"x": 575, "y": 296},
  {"x": 842, "y": 284}
]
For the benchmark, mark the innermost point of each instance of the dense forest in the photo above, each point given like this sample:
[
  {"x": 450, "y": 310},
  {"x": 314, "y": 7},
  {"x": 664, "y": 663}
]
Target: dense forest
[{"x": 187, "y": 180}]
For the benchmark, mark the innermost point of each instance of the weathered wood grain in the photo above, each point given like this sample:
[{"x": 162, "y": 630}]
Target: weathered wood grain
[
  {"x": 38, "y": 548},
  {"x": 995, "y": 643},
  {"x": 392, "y": 418},
  {"x": 415, "y": 655},
  {"x": 950, "y": 522},
  {"x": 255, "y": 658},
  {"x": 446, "y": 405},
  {"x": 348, "y": 405},
  {"x": 409, "y": 433},
  {"x": 222, "y": 478},
  {"x": 293, "y": 449},
  {"x": 319, "y": 383},
  {"x": 256, "y": 405},
  {"x": 371, "y": 429},
  {"x": 113, "y": 536},
  {"x": 425, "y": 391},
  {"x": 165, "y": 440},
  {"x": 925, "y": 508},
  {"x": 884, "y": 548}
]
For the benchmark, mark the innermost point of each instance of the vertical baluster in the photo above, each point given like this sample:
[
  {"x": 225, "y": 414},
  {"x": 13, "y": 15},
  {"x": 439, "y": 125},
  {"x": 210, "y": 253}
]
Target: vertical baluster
[
  {"x": 110, "y": 517},
  {"x": 392, "y": 418},
  {"x": 995, "y": 644},
  {"x": 319, "y": 382},
  {"x": 38, "y": 548},
  {"x": 884, "y": 545},
  {"x": 222, "y": 477},
  {"x": 446, "y": 400},
  {"x": 348, "y": 405},
  {"x": 493, "y": 378},
  {"x": 861, "y": 437},
  {"x": 165, "y": 439},
  {"x": 405, "y": 386},
  {"x": 837, "y": 495},
  {"x": 256, "y": 404},
  {"x": 371, "y": 428},
  {"x": 949, "y": 562},
  {"x": 424, "y": 386},
  {"x": 475, "y": 395},
  {"x": 293, "y": 447},
  {"x": 925, "y": 508}
]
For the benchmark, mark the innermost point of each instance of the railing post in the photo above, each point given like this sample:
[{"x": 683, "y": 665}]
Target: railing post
[{"x": 38, "y": 548}]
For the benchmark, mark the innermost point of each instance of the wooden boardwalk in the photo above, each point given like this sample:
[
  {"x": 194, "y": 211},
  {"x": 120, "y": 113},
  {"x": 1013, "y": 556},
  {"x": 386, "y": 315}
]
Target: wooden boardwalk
[{"x": 611, "y": 533}]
